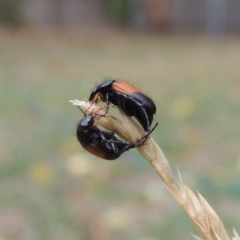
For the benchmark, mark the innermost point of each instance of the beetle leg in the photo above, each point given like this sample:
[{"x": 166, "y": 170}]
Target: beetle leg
[
  {"x": 97, "y": 98},
  {"x": 101, "y": 115},
  {"x": 153, "y": 127},
  {"x": 142, "y": 140}
]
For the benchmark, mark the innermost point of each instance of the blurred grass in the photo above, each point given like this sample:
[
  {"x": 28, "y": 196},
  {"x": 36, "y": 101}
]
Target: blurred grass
[{"x": 52, "y": 189}]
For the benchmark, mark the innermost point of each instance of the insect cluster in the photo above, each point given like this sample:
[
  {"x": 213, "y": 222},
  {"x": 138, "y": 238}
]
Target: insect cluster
[{"x": 127, "y": 98}]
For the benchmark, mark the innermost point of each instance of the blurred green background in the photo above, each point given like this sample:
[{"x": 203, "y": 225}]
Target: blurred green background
[{"x": 50, "y": 188}]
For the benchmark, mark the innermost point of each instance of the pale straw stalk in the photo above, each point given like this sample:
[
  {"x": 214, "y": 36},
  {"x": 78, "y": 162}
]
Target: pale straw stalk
[{"x": 198, "y": 209}]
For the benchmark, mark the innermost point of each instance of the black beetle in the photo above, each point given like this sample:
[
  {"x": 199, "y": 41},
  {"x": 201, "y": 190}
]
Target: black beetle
[
  {"x": 101, "y": 143},
  {"x": 131, "y": 100}
]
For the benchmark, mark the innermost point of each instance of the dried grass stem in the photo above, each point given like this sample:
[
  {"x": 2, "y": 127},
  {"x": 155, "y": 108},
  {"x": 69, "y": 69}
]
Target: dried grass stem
[{"x": 198, "y": 209}]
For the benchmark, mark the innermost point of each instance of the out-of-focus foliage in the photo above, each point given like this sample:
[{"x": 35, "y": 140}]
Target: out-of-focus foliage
[
  {"x": 52, "y": 189},
  {"x": 117, "y": 10},
  {"x": 10, "y": 12}
]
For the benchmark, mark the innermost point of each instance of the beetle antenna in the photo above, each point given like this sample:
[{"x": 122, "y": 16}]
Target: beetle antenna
[{"x": 84, "y": 113}]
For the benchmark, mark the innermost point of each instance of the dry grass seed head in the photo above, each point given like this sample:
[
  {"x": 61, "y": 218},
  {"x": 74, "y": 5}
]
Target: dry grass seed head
[{"x": 201, "y": 213}]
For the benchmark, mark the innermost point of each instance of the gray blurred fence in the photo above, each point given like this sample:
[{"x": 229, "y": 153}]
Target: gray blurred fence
[
  {"x": 63, "y": 13},
  {"x": 212, "y": 16}
]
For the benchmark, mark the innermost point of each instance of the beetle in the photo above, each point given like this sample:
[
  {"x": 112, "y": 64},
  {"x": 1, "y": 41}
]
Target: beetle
[
  {"x": 131, "y": 100},
  {"x": 101, "y": 143}
]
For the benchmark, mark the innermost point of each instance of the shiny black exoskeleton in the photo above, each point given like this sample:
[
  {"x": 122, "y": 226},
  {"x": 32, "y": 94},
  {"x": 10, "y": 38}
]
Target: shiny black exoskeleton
[
  {"x": 131, "y": 100},
  {"x": 100, "y": 143}
]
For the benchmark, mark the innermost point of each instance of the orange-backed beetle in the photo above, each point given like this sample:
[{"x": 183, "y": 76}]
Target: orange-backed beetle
[
  {"x": 131, "y": 100},
  {"x": 103, "y": 144}
]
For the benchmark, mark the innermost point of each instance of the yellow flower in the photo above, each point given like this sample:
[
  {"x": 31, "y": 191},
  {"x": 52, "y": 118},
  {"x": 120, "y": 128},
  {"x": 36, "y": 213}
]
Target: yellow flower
[
  {"x": 42, "y": 172},
  {"x": 183, "y": 108}
]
